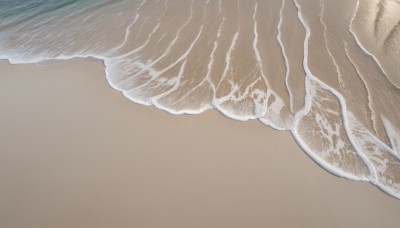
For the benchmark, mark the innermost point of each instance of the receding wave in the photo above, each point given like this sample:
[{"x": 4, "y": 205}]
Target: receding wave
[{"x": 325, "y": 70}]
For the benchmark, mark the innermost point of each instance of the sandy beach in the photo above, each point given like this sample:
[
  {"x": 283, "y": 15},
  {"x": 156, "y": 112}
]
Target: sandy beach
[{"x": 76, "y": 153}]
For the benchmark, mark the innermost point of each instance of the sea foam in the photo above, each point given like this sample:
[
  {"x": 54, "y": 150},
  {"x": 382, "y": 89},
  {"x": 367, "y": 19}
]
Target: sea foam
[{"x": 324, "y": 70}]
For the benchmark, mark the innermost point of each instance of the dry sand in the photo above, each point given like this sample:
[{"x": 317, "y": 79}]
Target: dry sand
[{"x": 76, "y": 153}]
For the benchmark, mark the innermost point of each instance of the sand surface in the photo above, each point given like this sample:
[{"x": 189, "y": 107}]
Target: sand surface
[{"x": 76, "y": 153}]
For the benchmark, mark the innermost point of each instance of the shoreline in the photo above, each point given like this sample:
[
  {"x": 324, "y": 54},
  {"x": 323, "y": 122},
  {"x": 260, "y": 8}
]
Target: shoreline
[{"x": 85, "y": 154}]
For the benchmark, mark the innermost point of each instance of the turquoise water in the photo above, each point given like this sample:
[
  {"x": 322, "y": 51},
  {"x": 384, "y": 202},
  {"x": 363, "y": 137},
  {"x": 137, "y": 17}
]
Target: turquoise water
[{"x": 327, "y": 71}]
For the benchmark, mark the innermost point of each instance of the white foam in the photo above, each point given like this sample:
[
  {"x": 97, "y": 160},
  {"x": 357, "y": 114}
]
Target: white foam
[
  {"x": 343, "y": 107},
  {"x": 267, "y": 104},
  {"x": 393, "y": 134},
  {"x": 379, "y": 156},
  {"x": 371, "y": 110},
  {"x": 322, "y": 4},
  {"x": 364, "y": 49},
  {"x": 128, "y": 29},
  {"x": 279, "y": 37}
]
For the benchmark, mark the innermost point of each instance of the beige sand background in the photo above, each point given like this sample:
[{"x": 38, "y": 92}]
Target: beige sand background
[{"x": 76, "y": 153}]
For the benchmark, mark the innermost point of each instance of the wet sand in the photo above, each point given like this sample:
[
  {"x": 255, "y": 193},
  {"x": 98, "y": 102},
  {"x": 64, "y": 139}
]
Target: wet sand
[
  {"x": 318, "y": 68},
  {"x": 76, "y": 153}
]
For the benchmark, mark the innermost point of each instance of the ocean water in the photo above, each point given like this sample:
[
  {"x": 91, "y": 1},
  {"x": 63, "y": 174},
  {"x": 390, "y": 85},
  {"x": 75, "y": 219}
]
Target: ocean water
[{"x": 325, "y": 70}]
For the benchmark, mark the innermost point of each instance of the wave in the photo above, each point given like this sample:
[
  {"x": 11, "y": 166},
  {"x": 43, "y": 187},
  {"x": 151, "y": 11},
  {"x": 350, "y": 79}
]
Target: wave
[{"x": 324, "y": 70}]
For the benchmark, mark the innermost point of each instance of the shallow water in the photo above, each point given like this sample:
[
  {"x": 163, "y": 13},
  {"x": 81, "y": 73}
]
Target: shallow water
[{"x": 325, "y": 70}]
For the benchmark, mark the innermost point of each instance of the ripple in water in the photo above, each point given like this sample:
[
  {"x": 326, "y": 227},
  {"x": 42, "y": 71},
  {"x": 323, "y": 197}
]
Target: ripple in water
[{"x": 325, "y": 70}]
